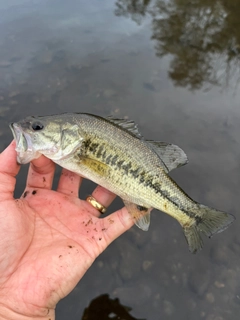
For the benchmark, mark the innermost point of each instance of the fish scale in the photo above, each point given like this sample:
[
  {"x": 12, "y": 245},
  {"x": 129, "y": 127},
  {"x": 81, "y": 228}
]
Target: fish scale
[
  {"x": 121, "y": 169},
  {"x": 112, "y": 153}
]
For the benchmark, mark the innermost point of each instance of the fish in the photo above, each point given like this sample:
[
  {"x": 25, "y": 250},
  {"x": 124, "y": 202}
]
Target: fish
[{"x": 112, "y": 153}]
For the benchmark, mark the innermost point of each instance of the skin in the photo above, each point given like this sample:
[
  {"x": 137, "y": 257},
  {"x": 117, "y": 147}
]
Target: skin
[{"x": 49, "y": 238}]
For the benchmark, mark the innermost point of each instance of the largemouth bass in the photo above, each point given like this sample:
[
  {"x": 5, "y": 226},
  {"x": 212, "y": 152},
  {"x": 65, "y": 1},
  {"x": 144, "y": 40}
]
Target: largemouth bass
[{"x": 112, "y": 153}]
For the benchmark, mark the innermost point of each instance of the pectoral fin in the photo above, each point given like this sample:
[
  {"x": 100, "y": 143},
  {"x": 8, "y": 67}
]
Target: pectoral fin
[
  {"x": 140, "y": 215},
  {"x": 101, "y": 169}
]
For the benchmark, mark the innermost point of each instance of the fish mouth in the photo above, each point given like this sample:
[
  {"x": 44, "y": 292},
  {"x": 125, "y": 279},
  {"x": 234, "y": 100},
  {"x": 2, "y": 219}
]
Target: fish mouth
[{"x": 24, "y": 147}]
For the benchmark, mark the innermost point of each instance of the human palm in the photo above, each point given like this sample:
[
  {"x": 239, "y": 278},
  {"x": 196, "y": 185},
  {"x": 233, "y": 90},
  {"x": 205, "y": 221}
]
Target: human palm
[{"x": 48, "y": 238}]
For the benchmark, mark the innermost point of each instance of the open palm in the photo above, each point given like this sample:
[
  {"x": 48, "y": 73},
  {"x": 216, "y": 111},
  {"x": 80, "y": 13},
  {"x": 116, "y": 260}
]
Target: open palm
[{"x": 48, "y": 238}]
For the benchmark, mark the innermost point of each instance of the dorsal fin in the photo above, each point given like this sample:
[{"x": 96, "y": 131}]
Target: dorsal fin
[
  {"x": 127, "y": 125},
  {"x": 172, "y": 156}
]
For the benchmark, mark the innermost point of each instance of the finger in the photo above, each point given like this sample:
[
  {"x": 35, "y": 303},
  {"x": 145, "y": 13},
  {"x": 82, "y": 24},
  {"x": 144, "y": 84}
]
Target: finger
[
  {"x": 9, "y": 168},
  {"x": 41, "y": 173},
  {"x": 8, "y": 160},
  {"x": 69, "y": 183},
  {"x": 104, "y": 197},
  {"x": 116, "y": 224}
]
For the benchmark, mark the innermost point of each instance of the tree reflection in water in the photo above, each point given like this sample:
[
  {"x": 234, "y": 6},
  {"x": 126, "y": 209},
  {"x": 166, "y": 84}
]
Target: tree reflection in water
[
  {"x": 203, "y": 36},
  {"x": 134, "y": 8}
]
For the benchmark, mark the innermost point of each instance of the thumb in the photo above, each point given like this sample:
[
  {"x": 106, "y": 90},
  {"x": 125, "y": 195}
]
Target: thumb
[
  {"x": 116, "y": 224},
  {"x": 8, "y": 170}
]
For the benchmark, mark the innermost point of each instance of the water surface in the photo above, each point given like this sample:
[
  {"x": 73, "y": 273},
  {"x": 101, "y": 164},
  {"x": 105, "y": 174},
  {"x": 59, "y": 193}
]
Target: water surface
[{"x": 173, "y": 67}]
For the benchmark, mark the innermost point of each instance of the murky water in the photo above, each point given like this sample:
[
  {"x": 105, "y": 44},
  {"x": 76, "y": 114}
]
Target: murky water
[{"x": 173, "y": 67}]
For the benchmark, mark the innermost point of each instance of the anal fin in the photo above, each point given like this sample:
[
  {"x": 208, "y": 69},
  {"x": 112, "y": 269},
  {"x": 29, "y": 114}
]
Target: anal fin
[{"x": 140, "y": 215}]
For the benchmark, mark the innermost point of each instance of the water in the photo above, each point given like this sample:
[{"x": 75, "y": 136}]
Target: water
[{"x": 173, "y": 67}]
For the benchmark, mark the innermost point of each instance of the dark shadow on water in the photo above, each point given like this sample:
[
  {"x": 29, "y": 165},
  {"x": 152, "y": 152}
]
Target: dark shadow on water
[
  {"x": 202, "y": 37},
  {"x": 103, "y": 308}
]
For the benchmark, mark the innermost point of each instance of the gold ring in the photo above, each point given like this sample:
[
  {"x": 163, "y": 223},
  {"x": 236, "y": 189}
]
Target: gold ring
[{"x": 96, "y": 204}]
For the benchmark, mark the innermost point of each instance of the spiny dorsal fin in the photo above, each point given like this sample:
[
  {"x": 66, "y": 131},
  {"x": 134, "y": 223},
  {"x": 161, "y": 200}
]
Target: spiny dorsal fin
[
  {"x": 128, "y": 125},
  {"x": 172, "y": 156}
]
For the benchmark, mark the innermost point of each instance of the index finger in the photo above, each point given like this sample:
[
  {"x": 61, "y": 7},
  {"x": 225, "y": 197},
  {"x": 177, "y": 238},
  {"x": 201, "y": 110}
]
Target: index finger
[
  {"x": 8, "y": 160},
  {"x": 41, "y": 173},
  {"x": 8, "y": 170}
]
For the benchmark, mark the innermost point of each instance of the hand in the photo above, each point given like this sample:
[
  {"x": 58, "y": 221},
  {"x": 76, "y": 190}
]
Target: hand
[{"x": 49, "y": 238}]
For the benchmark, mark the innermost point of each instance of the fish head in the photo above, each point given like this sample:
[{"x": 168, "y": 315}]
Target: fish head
[{"x": 52, "y": 136}]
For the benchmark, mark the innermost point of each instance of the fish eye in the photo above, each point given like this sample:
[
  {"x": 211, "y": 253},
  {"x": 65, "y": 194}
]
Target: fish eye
[{"x": 37, "y": 126}]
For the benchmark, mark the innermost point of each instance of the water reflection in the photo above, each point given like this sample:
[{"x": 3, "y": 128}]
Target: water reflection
[
  {"x": 136, "y": 9},
  {"x": 203, "y": 38}
]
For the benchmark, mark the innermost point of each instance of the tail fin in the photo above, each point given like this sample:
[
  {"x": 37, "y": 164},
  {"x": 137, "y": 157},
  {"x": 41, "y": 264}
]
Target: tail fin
[{"x": 208, "y": 221}]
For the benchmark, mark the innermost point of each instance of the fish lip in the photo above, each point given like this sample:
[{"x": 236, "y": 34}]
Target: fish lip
[
  {"x": 23, "y": 143},
  {"x": 15, "y": 131},
  {"x": 19, "y": 135}
]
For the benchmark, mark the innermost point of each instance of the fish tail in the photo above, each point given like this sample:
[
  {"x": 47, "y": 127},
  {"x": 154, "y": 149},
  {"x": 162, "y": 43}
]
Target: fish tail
[{"x": 207, "y": 221}]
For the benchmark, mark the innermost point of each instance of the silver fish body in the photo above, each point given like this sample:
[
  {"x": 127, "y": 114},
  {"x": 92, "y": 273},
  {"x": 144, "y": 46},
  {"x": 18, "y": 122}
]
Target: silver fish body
[{"x": 112, "y": 153}]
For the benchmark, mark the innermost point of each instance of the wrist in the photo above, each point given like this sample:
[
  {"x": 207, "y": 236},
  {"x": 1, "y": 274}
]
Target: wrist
[{"x": 7, "y": 313}]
